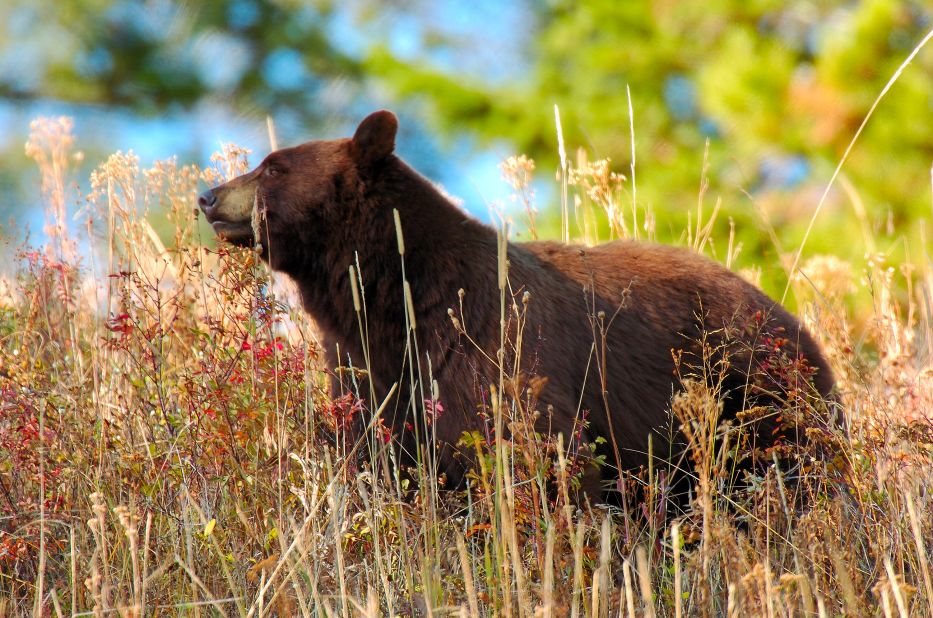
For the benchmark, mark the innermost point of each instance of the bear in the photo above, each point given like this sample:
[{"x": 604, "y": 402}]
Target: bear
[{"x": 612, "y": 331}]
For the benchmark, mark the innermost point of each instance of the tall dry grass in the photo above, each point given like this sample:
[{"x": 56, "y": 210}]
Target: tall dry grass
[{"x": 168, "y": 446}]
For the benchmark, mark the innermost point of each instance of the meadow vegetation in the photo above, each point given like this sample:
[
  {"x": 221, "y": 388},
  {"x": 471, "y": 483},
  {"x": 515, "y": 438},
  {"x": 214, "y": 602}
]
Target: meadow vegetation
[{"x": 168, "y": 444}]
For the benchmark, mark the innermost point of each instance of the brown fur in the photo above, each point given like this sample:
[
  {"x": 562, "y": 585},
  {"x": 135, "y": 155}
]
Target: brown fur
[{"x": 328, "y": 204}]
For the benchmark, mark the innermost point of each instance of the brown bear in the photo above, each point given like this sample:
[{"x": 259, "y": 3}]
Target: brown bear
[{"x": 614, "y": 328}]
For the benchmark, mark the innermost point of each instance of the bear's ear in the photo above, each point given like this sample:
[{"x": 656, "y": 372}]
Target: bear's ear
[{"x": 374, "y": 139}]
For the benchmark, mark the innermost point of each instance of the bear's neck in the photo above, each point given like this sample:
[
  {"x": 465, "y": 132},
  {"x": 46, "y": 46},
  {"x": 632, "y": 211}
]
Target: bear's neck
[{"x": 445, "y": 251}]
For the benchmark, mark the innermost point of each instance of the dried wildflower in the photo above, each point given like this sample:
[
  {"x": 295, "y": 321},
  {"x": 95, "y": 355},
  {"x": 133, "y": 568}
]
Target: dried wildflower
[
  {"x": 830, "y": 277},
  {"x": 49, "y": 145},
  {"x": 518, "y": 171},
  {"x": 600, "y": 184},
  {"x": 230, "y": 162}
]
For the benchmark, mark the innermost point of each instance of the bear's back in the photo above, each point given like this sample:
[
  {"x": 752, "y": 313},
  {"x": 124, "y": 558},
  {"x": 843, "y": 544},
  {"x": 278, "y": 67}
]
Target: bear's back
[{"x": 633, "y": 308}]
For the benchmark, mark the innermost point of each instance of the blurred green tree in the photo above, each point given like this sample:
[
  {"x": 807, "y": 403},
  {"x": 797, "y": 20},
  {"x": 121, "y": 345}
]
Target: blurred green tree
[
  {"x": 778, "y": 88},
  {"x": 155, "y": 54}
]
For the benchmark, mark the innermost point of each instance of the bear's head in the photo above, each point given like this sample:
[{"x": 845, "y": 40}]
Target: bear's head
[{"x": 295, "y": 191}]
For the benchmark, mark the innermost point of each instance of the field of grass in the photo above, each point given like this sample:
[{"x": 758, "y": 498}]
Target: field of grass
[{"x": 168, "y": 445}]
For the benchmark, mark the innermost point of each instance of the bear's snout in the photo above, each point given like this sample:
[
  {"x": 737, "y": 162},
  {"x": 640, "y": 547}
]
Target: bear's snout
[
  {"x": 229, "y": 210},
  {"x": 207, "y": 201}
]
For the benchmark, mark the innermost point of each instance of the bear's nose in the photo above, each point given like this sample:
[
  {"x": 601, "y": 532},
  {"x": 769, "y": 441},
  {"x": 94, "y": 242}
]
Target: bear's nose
[{"x": 207, "y": 200}]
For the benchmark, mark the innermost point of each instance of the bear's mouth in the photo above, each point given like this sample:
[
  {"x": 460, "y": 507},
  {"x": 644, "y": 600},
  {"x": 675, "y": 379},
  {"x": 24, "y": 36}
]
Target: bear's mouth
[{"x": 240, "y": 234}]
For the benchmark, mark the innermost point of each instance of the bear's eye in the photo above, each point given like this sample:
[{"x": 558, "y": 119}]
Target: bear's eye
[{"x": 272, "y": 170}]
